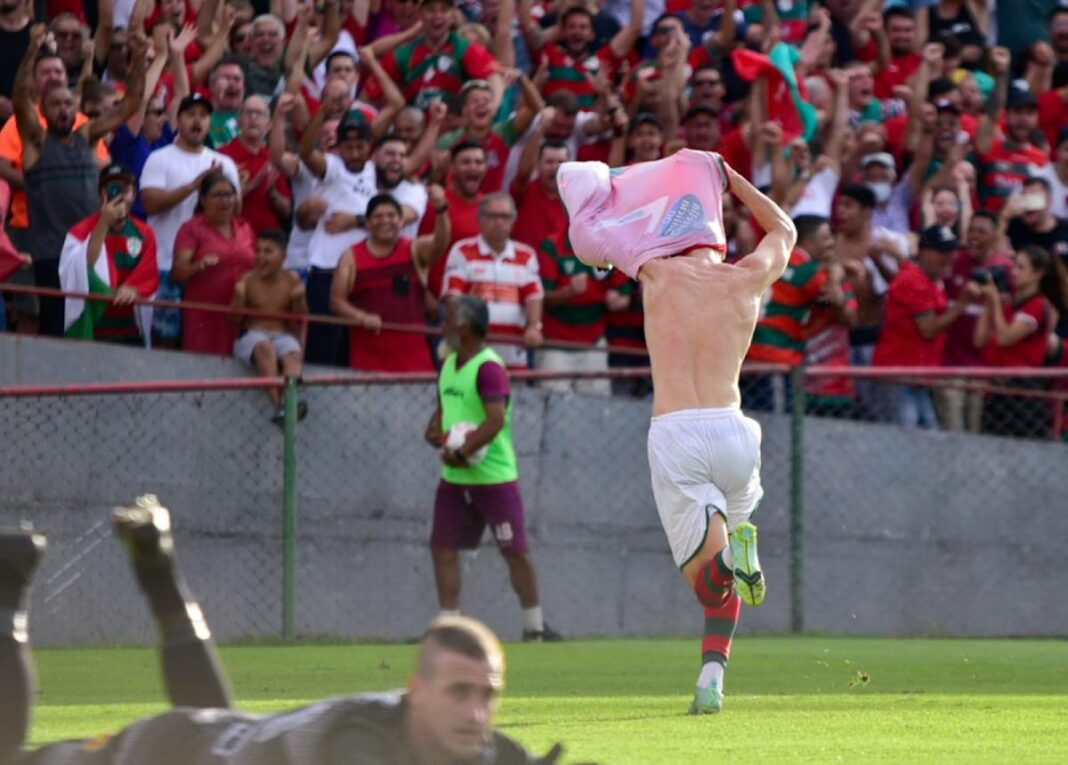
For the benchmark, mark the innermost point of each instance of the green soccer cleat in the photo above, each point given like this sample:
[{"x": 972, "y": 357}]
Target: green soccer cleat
[
  {"x": 748, "y": 578},
  {"x": 707, "y": 701}
]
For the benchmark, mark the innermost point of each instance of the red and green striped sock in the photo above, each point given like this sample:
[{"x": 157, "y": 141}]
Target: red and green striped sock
[
  {"x": 714, "y": 582},
  {"x": 720, "y": 622}
]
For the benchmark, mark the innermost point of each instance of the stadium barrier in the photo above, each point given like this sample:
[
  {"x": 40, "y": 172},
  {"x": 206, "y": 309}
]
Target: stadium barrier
[{"x": 321, "y": 528}]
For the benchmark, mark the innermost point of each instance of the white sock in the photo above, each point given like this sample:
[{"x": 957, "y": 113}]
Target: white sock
[
  {"x": 711, "y": 673},
  {"x": 532, "y": 619},
  {"x": 728, "y": 559},
  {"x": 444, "y": 613}
]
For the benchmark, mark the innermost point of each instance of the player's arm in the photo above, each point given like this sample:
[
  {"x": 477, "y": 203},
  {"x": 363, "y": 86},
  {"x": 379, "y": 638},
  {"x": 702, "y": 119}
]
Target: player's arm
[
  {"x": 486, "y": 431},
  {"x": 768, "y": 261},
  {"x": 434, "y": 435}
]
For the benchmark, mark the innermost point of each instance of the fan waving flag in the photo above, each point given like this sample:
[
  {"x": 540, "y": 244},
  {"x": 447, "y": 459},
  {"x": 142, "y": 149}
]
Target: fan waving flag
[
  {"x": 786, "y": 96},
  {"x": 128, "y": 259}
]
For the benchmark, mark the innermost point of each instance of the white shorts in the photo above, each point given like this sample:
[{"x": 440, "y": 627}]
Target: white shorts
[
  {"x": 284, "y": 344},
  {"x": 703, "y": 461}
]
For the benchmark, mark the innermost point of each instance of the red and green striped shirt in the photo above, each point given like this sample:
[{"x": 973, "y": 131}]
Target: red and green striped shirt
[
  {"x": 1003, "y": 170},
  {"x": 425, "y": 75},
  {"x": 582, "y": 318},
  {"x": 565, "y": 73},
  {"x": 780, "y": 333}
]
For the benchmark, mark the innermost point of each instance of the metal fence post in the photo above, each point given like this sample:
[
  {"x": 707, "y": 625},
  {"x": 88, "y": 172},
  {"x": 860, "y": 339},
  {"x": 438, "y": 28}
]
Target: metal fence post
[
  {"x": 289, "y": 511},
  {"x": 797, "y": 502}
]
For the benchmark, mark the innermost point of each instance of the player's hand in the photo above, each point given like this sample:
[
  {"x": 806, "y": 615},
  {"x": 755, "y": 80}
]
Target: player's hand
[
  {"x": 435, "y": 438},
  {"x": 552, "y": 757},
  {"x": 452, "y": 458},
  {"x": 125, "y": 296}
]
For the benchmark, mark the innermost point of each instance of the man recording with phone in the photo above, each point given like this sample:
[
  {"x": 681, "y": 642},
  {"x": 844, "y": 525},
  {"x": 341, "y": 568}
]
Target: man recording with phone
[
  {"x": 1027, "y": 219},
  {"x": 109, "y": 253}
]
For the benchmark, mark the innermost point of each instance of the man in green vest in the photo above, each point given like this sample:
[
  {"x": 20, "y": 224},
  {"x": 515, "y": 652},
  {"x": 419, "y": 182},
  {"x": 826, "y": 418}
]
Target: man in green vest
[{"x": 479, "y": 481}]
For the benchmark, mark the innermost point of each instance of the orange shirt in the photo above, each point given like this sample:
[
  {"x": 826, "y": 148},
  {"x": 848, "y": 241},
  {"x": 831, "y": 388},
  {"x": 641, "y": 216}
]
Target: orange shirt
[{"x": 11, "y": 150}]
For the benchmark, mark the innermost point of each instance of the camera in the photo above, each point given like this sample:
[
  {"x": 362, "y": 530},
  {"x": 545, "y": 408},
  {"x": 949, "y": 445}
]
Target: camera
[
  {"x": 999, "y": 275},
  {"x": 114, "y": 191}
]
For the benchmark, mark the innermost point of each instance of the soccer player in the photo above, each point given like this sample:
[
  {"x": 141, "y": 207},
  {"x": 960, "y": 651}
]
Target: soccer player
[
  {"x": 661, "y": 223},
  {"x": 444, "y": 717},
  {"x": 474, "y": 493}
]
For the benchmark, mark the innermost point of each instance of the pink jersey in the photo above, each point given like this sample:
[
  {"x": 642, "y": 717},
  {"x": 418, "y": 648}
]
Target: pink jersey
[{"x": 627, "y": 216}]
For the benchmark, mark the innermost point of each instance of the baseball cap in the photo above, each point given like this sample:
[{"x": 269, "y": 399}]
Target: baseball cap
[
  {"x": 115, "y": 173},
  {"x": 939, "y": 238},
  {"x": 195, "y": 99},
  {"x": 353, "y": 128},
  {"x": 878, "y": 158},
  {"x": 1020, "y": 95}
]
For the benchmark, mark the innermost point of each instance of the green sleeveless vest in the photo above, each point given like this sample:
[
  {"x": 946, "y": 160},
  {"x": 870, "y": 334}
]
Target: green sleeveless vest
[{"x": 460, "y": 402}]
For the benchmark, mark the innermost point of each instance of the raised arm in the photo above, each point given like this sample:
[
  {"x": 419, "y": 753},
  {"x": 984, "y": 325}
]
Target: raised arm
[
  {"x": 392, "y": 94},
  {"x": 334, "y": 95},
  {"x": 104, "y": 25},
  {"x": 286, "y": 161},
  {"x": 427, "y": 249},
  {"x": 135, "y": 91},
  {"x": 25, "y": 111},
  {"x": 155, "y": 69},
  {"x": 768, "y": 261},
  {"x": 1001, "y": 59},
  {"x": 528, "y": 158},
  {"x": 216, "y": 48},
  {"x": 209, "y": 9},
  {"x": 624, "y": 39},
  {"x": 723, "y": 41},
  {"x": 424, "y": 147}
]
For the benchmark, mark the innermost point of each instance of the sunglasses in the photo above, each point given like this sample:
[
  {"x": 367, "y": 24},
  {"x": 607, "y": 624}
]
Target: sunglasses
[
  {"x": 61, "y": 35},
  {"x": 156, "y": 112},
  {"x": 709, "y": 83},
  {"x": 664, "y": 30}
]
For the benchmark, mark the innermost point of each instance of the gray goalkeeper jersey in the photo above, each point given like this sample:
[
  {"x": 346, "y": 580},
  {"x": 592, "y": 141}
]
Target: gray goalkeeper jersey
[{"x": 363, "y": 730}]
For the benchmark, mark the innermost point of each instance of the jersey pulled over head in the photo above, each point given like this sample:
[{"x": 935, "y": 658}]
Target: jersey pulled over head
[{"x": 627, "y": 216}]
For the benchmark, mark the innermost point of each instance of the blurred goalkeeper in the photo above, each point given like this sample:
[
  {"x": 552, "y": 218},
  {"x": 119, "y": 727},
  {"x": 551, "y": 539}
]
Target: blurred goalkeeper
[
  {"x": 662, "y": 223},
  {"x": 445, "y": 717}
]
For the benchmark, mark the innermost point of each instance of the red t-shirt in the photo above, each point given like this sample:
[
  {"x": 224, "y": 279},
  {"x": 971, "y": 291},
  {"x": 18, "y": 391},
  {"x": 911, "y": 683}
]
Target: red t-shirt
[
  {"x": 389, "y": 287},
  {"x": 541, "y": 216},
  {"x": 1052, "y": 114},
  {"x": 737, "y": 154},
  {"x": 960, "y": 346},
  {"x": 463, "y": 219},
  {"x": 897, "y": 72},
  {"x": 212, "y": 331},
  {"x": 1031, "y": 351},
  {"x": 256, "y": 207},
  {"x": 912, "y": 294}
]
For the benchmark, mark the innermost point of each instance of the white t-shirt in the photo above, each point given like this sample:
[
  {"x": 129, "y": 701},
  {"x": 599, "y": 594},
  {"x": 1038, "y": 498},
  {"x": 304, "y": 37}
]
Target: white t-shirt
[
  {"x": 167, "y": 169},
  {"x": 304, "y": 185},
  {"x": 349, "y": 192},
  {"x": 1058, "y": 191},
  {"x": 818, "y": 196}
]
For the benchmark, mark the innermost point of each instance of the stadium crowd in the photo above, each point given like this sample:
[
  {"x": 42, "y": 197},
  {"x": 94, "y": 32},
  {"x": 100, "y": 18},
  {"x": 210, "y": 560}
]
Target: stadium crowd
[{"x": 366, "y": 159}]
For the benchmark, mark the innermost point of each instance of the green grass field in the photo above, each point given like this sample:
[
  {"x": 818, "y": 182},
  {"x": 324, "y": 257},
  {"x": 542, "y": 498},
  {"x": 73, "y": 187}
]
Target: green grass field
[{"x": 624, "y": 701}]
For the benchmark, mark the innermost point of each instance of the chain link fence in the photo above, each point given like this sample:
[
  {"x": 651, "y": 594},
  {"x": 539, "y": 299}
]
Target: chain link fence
[{"x": 854, "y": 506}]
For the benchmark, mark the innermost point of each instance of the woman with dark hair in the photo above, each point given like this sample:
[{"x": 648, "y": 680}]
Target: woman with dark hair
[
  {"x": 1015, "y": 334},
  {"x": 211, "y": 253}
]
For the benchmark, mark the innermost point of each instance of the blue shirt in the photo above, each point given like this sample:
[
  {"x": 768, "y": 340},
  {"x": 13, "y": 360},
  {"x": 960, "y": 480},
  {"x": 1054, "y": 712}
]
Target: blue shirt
[{"x": 131, "y": 151}]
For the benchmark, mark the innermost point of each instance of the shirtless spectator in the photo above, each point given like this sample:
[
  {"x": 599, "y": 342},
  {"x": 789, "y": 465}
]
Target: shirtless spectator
[{"x": 270, "y": 344}]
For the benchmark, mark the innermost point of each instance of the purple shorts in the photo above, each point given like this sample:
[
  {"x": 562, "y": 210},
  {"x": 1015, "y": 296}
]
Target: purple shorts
[{"x": 461, "y": 514}]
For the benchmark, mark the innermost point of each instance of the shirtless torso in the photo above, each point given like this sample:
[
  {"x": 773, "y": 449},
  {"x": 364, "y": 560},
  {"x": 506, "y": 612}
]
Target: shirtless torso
[
  {"x": 700, "y": 313},
  {"x": 699, "y": 320},
  {"x": 281, "y": 292}
]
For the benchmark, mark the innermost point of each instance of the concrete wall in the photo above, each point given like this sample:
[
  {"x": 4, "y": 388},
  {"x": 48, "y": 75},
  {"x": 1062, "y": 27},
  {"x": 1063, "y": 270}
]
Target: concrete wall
[{"x": 905, "y": 533}]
